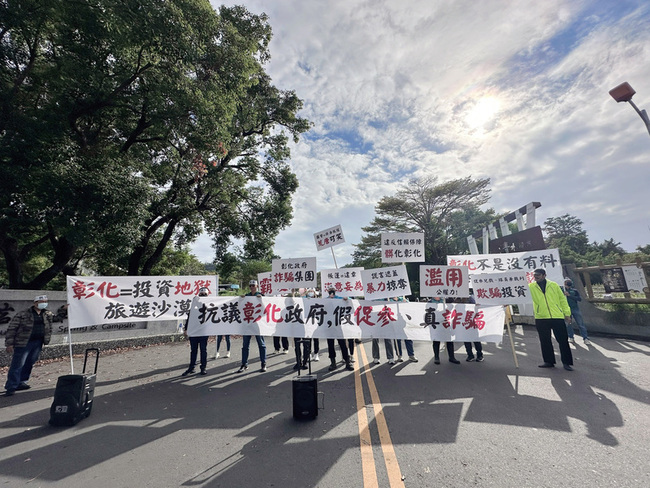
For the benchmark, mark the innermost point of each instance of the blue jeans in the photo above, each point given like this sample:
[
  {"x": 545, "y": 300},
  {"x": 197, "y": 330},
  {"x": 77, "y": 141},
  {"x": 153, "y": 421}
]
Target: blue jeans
[
  {"x": 409, "y": 347},
  {"x": 577, "y": 317},
  {"x": 260, "y": 345},
  {"x": 219, "y": 338},
  {"x": 21, "y": 364},
  {"x": 196, "y": 343}
]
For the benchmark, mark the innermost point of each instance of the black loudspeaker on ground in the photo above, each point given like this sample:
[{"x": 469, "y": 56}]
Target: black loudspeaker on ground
[
  {"x": 305, "y": 397},
  {"x": 73, "y": 396}
]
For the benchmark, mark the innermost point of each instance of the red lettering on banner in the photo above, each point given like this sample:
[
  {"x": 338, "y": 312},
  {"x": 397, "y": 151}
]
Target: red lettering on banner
[
  {"x": 434, "y": 277},
  {"x": 454, "y": 277},
  {"x": 452, "y": 318},
  {"x": 184, "y": 288},
  {"x": 386, "y": 315},
  {"x": 252, "y": 313},
  {"x": 104, "y": 290},
  {"x": 271, "y": 312},
  {"x": 362, "y": 314}
]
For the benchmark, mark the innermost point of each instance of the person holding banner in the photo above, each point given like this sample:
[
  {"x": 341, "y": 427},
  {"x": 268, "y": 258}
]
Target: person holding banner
[
  {"x": 219, "y": 339},
  {"x": 26, "y": 335},
  {"x": 468, "y": 345},
  {"x": 331, "y": 348},
  {"x": 315, "y": 344},
  {"x": 247, "y": 339},
  {"x": 436, "y": 344},
  {"x": 197, "y": 342},
  {"x": 551, "y": 312},
  {"x": 573, "y": 297}
]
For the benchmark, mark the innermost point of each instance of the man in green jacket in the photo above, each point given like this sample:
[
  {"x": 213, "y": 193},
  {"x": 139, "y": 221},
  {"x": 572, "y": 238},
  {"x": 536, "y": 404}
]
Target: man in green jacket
[{"x": 551, "y": 311}]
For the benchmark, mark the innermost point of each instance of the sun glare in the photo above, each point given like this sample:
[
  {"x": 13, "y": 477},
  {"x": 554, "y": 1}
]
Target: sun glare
[{"x": 483, "y": 112}]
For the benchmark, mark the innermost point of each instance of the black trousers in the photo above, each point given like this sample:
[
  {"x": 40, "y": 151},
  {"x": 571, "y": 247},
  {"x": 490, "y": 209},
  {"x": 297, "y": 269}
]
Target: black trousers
[
  {"x": 344, "y": 349},
  {"x": 558, "y": 326},
  {"x": 276, "y": 343},
  {"x": 196, "y": 343},
  {"x": 477, "y": 345},
  {"x": 450, "y": 349},
  {"x": 302, "y": 356}
]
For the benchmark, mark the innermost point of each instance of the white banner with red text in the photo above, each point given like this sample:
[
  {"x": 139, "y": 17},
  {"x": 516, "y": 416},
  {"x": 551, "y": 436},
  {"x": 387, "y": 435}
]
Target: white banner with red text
[
  {"x": 116, "y": 299},
  {"x": 340, "y": 318}
]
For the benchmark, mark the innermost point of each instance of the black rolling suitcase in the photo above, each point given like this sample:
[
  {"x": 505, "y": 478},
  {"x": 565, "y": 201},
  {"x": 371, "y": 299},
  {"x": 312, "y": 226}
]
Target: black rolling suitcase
[
  {"x": 305, "y": 395},
  {"x": 73, "y": 396}
]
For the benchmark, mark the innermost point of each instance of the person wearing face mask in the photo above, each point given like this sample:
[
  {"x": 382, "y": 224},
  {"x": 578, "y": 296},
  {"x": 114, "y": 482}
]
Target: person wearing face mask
[{"x": 27, "y": 333}]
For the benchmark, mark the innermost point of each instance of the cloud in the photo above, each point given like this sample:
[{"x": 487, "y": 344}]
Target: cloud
[{"x": 403, "y": 89}]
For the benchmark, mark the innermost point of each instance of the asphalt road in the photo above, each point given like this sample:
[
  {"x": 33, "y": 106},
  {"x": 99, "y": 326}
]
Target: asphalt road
[{"x": 411, "y": 424}]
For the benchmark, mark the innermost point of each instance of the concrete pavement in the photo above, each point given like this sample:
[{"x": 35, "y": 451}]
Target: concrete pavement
[{"x": 411, "y": 424}]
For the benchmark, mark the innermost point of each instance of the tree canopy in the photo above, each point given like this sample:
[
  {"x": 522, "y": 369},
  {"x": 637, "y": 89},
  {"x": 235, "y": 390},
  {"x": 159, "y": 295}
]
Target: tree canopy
[
  {"x": 445, "y": 212},
  {"x": 127, "y": 127}
]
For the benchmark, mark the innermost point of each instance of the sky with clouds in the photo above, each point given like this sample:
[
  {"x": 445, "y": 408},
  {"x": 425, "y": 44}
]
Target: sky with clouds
[{"x": 516, "y": 91}]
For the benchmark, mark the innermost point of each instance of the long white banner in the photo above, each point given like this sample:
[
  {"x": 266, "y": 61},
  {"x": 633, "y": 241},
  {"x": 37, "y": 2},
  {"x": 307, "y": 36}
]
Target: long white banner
[
  {"x": 339, "y": 318},
  {"x": 116, "y": 299}
]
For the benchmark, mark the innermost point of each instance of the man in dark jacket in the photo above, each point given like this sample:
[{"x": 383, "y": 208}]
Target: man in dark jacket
[{"x": 27, "y": 333}]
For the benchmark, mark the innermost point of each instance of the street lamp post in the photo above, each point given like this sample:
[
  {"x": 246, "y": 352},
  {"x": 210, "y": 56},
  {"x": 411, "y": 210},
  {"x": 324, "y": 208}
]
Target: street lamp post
[{"x": 624, "y": 93}]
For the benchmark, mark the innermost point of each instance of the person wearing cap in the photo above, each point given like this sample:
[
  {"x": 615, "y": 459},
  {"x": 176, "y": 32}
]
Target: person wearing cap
[
  {"x": 572, "y": 298},
  {"x": 252, "y": 284},
  {"x": 27, "y": 333},
  {"x": 196, "y": 343},
  {"x": 551, "y": 312}
]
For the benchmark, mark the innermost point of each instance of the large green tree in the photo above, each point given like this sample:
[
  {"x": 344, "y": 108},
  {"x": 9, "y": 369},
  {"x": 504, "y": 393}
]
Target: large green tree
[
  {"x": 127, "y": 126},
  {"x": 445, "y": 212}
]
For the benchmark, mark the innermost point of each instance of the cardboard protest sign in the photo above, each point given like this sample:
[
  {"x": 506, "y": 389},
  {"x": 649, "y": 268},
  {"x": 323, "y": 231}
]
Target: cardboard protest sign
[
  {"x": 346, "y": 281},
  {"x": 387, "y": 282},
  {"x": 402, "y": 247},
  {"x": 329, "y": 237},
  {"x": 444, "y": 281}
]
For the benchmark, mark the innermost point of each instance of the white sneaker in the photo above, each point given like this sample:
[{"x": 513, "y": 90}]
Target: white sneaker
[
  {"x": 277, "y": 351},
  {"x": 399, "y": 359},
  {"x": 352, "y": 358},
  {"x": 216, "y": 356},
  {"x": 285, "y": 351},
  {"x": 572, "y": 340},
  {"x": 315, "y": 357},
  {"x": 391, "y": 361},
  {"x": 377, "y": 361},
  {"x": 413, "y": 359},
  {"x": 587, "y": 342}
]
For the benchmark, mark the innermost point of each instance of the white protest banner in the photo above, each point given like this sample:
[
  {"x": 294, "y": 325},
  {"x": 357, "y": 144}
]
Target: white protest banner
[
  {"x": 293, "y": 273},
  {"x": 116, "y": 299},
  {"x": 329, "y": 237},
  {"x": 346, "y": 281},
  {"x": 444, "y": 281},
  {"x": 506, "y": 288},
  {"x": 402, "y": 247},
  {"x": 528, "y": 261},
  {"x": 385, "y": 282},
  {"x": 341, "y": 318}
]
